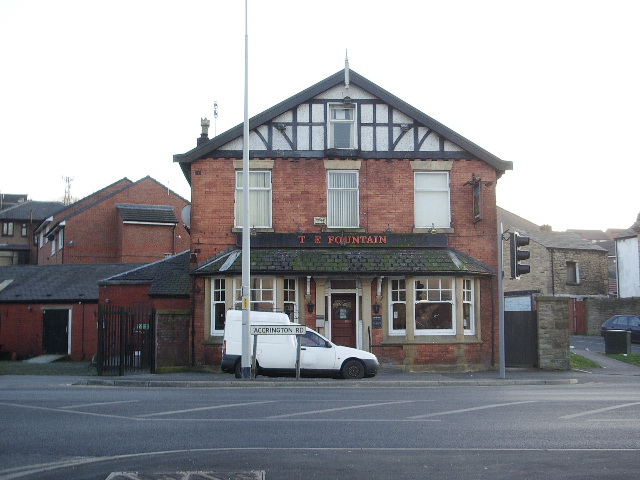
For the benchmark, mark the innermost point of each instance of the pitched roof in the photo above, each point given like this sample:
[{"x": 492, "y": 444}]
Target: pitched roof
[
  {"x": 593, "y": 235},
  {"x": 382, "y": 261},
  {"x": 548, "y": 239},
  {"x": 168, "y": 277},
  {"x": 98, "y": 199},
  {"x": 31, "y": 210},
  {"x": 147, "y": 213},
  {"x": 9, "y": 199},
  {"x": 55, "y": 283},
  {"x": 203, "y": 151}
]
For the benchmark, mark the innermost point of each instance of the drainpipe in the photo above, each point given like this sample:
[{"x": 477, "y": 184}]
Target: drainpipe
[{"x": 553, "y": 274}]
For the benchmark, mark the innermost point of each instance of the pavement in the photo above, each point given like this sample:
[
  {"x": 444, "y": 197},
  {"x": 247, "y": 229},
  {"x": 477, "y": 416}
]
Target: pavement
[{"x": 392, "y": 377}]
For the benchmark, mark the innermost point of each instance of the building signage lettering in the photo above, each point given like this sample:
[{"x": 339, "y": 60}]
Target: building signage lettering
[{"x": 343, "y": 239}]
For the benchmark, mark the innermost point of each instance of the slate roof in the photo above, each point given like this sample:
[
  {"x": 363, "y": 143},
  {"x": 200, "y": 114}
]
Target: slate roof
[
  {"x": 204, "y": 150},
  {"x": 381, "y": 261},
  {"x": 31, "y": 210},
  {"x": 55, "y": 283},
  {"x": 168, "y": 277},
  {"x": 548, "y": 239},
  {"x": 147, "y": 213}
]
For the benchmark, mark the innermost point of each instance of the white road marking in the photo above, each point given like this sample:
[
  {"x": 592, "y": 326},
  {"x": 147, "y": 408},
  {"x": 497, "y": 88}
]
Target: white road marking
[
  {"x": 599, "y": 410},
  {"x": 98, "y": 404},
  {"x": 213, "y": 407},
  {"x": 314, "y": 412},
  {"x": 472, "y": 409}
]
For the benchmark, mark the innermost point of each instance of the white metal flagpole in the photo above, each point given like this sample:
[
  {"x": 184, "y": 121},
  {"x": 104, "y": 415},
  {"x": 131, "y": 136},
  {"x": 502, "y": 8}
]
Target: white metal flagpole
[{"x": 246, "y": 254}]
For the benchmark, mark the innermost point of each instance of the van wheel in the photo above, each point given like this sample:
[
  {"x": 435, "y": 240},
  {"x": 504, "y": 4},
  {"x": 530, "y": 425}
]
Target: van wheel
[
  {"x": 238, "y": 369},
  {"x": 352, "y": 370}
]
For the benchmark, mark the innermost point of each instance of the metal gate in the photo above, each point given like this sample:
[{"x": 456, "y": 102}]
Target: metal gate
[
  {"x": 126, "y": 340},
  {"x": 521, "y": 339}
]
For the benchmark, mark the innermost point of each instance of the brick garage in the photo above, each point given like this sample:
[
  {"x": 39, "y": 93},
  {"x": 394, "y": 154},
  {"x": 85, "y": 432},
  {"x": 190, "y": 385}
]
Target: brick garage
[{"x": 51, "y": 307}]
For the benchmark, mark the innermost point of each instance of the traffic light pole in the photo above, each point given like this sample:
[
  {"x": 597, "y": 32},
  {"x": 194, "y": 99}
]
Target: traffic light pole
[{"x": 501, "y": 303}]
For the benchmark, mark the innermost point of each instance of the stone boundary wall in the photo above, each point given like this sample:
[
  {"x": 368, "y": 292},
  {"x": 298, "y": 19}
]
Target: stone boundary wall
[
  {"x": 553, "y": 333},
  {"x": 601, "y": 309}
]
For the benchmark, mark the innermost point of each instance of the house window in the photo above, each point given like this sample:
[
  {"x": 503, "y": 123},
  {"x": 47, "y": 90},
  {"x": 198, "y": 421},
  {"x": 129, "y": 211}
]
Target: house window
[
  {"x": 259, "y": 199},
  {"x": 342, "y": 126},
  {"x": 217, "y": 306},
  {"x": 262, "y": 297},
  {"x": 53, "y": 244},
  {"x": 7, "y": 229},
  {"x": 434, "y": 307},
  {"x": 573, "y": 273},
  {"x": 61, "y": 240},
  {"x": 398, "y": 305},
  {"x": 290, "y": 299},
  {"x": 468, "y": 307},
  {"x": 432, "y": 200},
  {"x": 24, "y": 230},
  {"x": 343, "y": 196}
]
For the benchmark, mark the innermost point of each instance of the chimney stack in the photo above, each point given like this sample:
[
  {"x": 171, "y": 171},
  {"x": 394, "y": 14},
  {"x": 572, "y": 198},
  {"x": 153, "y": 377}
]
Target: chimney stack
[
  {"x": 204, "y": 136},
  {"x": 546, "y": 228}
]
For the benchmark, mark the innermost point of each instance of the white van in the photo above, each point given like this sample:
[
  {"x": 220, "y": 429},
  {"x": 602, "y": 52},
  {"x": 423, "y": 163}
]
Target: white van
[{"x": 276, "y": 354}]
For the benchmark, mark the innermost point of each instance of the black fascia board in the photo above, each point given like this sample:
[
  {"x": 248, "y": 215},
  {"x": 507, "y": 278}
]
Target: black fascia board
[{"x": 203, "y": 151}]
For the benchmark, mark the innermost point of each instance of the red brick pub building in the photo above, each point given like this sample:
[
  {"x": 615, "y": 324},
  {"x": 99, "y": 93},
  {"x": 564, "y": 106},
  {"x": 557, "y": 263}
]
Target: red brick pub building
[{"x": 372, "y": 223}]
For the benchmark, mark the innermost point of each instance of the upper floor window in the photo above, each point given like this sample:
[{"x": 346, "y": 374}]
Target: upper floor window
[
  {"x": 7, "y": 229},
  {"x": 432, "y": 200},
  {"x": 343, "y": 197},
  {"x": 24, "y": 230},
  {"x": 259, "y": 199},
  {"x": 342, "y": 129},
  {"x": 573, "y": 273},
  {"x": 434, "y": 306}
]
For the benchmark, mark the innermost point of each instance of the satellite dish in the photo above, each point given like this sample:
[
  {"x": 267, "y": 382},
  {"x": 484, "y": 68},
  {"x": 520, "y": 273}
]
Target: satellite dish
[{"x": 186, "y": 215}]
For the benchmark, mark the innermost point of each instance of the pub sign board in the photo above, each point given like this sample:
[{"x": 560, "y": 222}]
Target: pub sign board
[{"x": 346, "y": 240}]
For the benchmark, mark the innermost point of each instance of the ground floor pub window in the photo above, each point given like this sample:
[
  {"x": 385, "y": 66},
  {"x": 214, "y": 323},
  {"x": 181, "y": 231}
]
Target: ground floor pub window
[
  {"x": 217, "y": 306},
  {"x": 262, "y": 297},
  {"x": 398, "y": 304},
  {"x": 434, "y": 306}
]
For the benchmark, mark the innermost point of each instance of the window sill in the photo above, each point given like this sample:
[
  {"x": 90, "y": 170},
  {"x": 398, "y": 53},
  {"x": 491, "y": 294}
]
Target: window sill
[
  {"x": 256, "y": 230},
  {"x": 213, "y": 340},
  {"x": 344, "y": 229},
  {"x": 391, "y": 340},
  {"x": 431, "y": 230},
  {"x": 573, "y": 284}
]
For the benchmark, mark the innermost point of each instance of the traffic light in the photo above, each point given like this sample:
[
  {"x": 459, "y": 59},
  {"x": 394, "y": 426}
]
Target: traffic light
[{"x": 516, "y": 241}]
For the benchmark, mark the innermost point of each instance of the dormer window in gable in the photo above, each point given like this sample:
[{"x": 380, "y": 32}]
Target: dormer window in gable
[{"x": 342, "y": 126}]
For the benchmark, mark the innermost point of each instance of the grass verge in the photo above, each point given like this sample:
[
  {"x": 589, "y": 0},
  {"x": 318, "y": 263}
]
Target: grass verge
[
  {"x": 632, "y": 358},
  {"x": 578, "y": 362}
]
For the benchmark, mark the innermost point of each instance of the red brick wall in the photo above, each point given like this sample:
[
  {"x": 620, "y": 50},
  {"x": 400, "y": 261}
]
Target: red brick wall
[
  {"x": 97, "y": 233},
  {"x": 386, "y": 201},
  {"x": 21, "y": 330}
]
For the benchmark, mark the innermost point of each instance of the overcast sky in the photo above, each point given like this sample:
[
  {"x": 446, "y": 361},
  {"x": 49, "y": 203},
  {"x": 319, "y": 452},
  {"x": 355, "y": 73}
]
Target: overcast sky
[{"x": 101, "y": 90}]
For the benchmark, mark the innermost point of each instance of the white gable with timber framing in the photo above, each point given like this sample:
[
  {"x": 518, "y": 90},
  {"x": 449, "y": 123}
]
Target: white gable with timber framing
[
  {"x": 350, "y": 120},
  {"x": 380, "y": 128}
]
